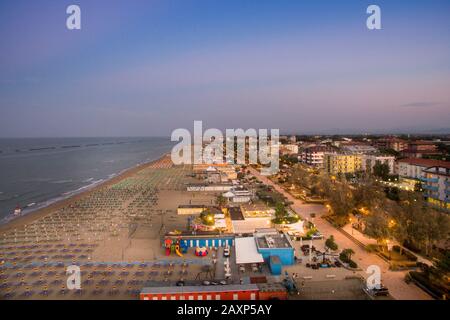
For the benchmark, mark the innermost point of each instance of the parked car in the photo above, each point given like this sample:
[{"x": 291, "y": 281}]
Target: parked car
[
  {"x": 226, "y": 252},
  {"x": 317, "y": 236}
]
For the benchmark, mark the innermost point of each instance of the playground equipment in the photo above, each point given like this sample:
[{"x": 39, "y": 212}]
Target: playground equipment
[
  {"x": 201, "y": 251},
  {"x": 177, "y": 250},
  {"x": 178, "y": 247}
]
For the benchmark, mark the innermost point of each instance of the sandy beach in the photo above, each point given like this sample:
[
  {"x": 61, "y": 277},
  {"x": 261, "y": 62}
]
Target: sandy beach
[{"x": 112, "y": 231}]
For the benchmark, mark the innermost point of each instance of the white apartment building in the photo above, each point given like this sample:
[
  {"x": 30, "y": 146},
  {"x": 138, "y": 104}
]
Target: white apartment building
[
  {"x": 368, "y": 161},
  {"x": 289, "y": 149},
  {"x": 413, "y": 168},
  {"x": 313, "y": 155}
]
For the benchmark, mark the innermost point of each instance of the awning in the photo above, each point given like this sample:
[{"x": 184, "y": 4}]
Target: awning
[
  {"x": 246, "y": 251},
  {"x": 228, "y": 194}
]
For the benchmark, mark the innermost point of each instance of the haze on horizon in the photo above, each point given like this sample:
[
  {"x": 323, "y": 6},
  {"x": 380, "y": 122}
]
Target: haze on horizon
[{"x": 145, "y": 68}]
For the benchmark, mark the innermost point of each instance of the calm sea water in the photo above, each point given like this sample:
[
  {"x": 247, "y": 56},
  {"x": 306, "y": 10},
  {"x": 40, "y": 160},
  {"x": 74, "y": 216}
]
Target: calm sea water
[{"x": 37, "y": 172}]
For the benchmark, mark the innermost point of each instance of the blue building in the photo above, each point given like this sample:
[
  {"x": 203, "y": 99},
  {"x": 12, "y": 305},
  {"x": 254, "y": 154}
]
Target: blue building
[
  {"x": 205, "y": 239},
  {"x": 270, "y": 242}
]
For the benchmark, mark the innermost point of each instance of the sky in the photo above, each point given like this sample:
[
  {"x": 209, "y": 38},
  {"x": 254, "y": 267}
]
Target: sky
[{"x": 146, "y": 68}]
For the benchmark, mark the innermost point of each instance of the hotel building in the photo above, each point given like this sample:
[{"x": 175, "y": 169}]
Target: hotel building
[
  {"x": 342, "y": 163},
  {"x": 313, "y": 155},
  {"x": 436, "y": 183},
  {"x": 369, "y": 161}
]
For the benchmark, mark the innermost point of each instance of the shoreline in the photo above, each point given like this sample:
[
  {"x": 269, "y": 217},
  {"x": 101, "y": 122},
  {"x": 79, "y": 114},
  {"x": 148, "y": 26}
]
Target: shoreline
[{"x": 59, "y": 204}]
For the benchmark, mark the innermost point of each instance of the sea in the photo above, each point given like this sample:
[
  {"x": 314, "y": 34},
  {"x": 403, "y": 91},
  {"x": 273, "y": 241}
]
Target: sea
[{"x": 36, "y": 172}]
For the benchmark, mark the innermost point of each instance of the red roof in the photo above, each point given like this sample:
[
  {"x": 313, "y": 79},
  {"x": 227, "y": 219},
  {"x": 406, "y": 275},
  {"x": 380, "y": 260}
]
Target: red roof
[{"x": 426, "y": 162}]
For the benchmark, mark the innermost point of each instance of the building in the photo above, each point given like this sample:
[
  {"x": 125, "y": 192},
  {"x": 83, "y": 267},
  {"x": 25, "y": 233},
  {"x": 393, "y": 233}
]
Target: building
[
  {"x": 254, "y": 216},
  {"x": 270, "y": 243},
  {"x": 266, "y": 246},
  {"x": 217, "y": 172},
  {"x": 238, "y": 195},
  {"x": 358, "y": 148},
  {"x": 313, "y": 155},
  {"x": 222, "y": 187},
  {"x": 413, "y": 168},
  {"x": 436, "y": 183},
  {"x": 391, "y": 143},
  {"x": 257, "y": 209},
  {"x": 289, "y": 149},
  {"x": 190, "y": 209},
  {"x": 342, "y": 163},
  {"x": 202, "y": 239},
  {"x": 420, "y": 148},
  {"x": 368, "y": 161},
  {"x": 264, "y": 291}
]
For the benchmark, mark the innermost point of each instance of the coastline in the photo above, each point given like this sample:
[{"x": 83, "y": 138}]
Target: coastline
[{"x": 46, "y": 210}]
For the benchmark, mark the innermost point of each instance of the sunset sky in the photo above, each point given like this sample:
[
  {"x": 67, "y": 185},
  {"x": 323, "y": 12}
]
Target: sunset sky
[{"x": 145, "y": 68}]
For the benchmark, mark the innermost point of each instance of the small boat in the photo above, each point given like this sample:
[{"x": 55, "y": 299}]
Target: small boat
[{"x": 17, "y": 210}]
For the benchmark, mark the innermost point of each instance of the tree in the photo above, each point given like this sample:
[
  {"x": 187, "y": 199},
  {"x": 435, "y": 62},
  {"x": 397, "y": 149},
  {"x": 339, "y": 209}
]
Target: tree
[
  {"x": 346, "y": 254},
  {"x": 442, "y": 265},
  {"x": 331, "y": 244},
  {"x": 381, "y": 170},
  {"x": 221, "y": 201},
  {"x": 377, "y": 226},
  {"x": 207, "y": 218},
  {"x": 424, "y": 225},
  {"x": 342, "y": 203},
  {"x": 280, "y": 211}
]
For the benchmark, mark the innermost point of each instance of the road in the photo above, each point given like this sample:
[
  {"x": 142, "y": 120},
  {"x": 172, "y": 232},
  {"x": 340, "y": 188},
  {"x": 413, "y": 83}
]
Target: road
[{"x": 393, "y": 280}]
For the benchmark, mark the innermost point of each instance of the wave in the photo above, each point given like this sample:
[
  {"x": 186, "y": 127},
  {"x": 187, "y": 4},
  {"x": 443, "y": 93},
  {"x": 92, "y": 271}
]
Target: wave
[
  {"x": 88, "y": 180},
  {"x": 62, "y": 181},
  {"x": 83, "y": 187}
]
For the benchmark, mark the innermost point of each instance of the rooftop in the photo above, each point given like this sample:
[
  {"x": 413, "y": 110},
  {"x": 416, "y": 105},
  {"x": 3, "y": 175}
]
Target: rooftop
[
  {"x": 195, "y": 289},
  {"x": 272, "y": 241},
  {"x": 246, "y": 251},
  {"x": 426, "y": 162},
  {"x": 236, "y": 213}
]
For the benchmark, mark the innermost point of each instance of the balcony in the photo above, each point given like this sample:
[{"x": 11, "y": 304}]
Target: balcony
[
  {"x": 429, "y": 180},
  {"x": 430, "y": 188}
]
